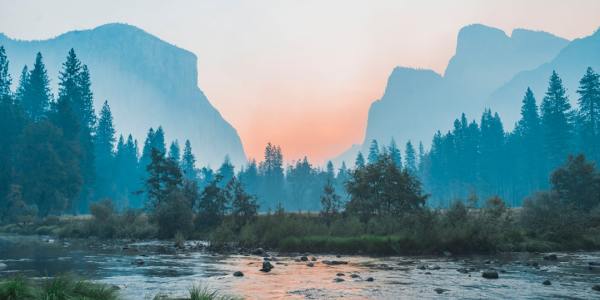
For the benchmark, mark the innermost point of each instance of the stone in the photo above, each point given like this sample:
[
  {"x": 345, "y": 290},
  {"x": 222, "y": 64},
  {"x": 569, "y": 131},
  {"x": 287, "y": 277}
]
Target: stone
[
  {"x": 238, "y": 274},
  {"x": 138, "y": 262},
  {"x": 490, "y": 274},
  {"x": 258, "y": 251},
  {"x": 3, "y": 266},
  {"x": 338, "y": 279},
  {"x": 335, "y": 262},
  {"x": 463, "y": 270},
  {"x": 312, "y": 258},
  {"x": 340, "y": 274},
  {"x": 547, "y": 282},
  {"x": 310, "y": 264},
  {"x": 440, "y": 290},
  {"x": 354, "y": 275},
  {"x": 266, "y": 267},
  {"x": 370, "y": 279},
  {"x": 303, "y": 258},
  {"x": 596, "y": 288}
]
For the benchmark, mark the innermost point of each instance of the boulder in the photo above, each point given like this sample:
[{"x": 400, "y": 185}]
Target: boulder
[
  {"x": 440, "y": 290},
  {"x": 338, "y": 279},
  {"x": 303, "y": 258},
  {"x": 596, "y": 288},
  {"x": 490, "y": 274},
  {"x": 310, "y": 264},
  {"x": 354, "y": 275},
  {"x": 335, "y": 262},
  {"x": 312, "y": 258},
  {"x": 547, "y": 282},
  {"x": 370, "y": 279},
  {"x": 238, "y": 274},
  {"x": 340, "y": 274},
  {"x": 3, "y": 266},
  {"x": 266, "y": 267}
]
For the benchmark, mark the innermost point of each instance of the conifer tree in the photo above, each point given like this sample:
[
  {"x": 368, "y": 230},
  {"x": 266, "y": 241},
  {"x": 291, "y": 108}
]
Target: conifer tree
[
  {"x": 373, "y": 152},
  {"x": 104, "y": 145},
  {"x": 589, "y": 114},
  {"x": 395, "y": 154},
  {"x": 5, "y": 79},
  {"x": 37, "y": 96},
  {"x": 175, "y": 152},
  {"x": 360, "y": 160},
  {"x": 411, "y": 159},
  {"x": 188, "y": 162},
  {"x": 330, "y": 171},
  {"x": 22, "y": 86},
  {"x": 226, "y": 171},
  {"x": 556, "y": 122}
]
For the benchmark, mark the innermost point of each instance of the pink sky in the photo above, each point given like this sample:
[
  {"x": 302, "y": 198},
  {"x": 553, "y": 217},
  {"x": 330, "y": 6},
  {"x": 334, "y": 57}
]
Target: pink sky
[{"x": 302, "y": 73}]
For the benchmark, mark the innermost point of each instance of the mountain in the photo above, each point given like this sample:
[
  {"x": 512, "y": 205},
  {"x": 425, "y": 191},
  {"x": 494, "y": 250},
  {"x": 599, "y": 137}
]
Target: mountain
[
  {"x": 147, "y": 82},
  {"x": 570, "y": 64},
  {"x": 418, "y": 102}
]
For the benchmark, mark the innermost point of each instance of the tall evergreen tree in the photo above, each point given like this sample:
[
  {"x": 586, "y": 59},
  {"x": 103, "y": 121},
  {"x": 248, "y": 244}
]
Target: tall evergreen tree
[
  {"x": 410, "y": 158},
  {"x": 360, "y": 160},
  {"x": 5, "y": 79},
  {"x": 373, "y": 152},
  {"x": 188, "y": 162},
  {"x": 589, "y": 114},
  {"x": 37, "y": 96},
  {"x": 174, "y": 151},
  {"x": 556, "y": 122},
  {"x": 104, "y": 147},
  {"x": 330, "y": 171},
  {"x": 22, "y": 86},
  {"x": 395, "y": 154},
  {"x": 226, "y": 171}
]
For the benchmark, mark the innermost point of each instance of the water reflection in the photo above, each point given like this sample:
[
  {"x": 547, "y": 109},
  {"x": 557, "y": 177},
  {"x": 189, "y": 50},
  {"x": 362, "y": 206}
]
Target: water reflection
[{"x": 142, "y": 270}]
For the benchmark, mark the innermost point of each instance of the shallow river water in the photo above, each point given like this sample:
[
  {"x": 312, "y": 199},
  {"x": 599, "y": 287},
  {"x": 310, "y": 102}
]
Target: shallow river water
[{"x": 167, "y": 271}]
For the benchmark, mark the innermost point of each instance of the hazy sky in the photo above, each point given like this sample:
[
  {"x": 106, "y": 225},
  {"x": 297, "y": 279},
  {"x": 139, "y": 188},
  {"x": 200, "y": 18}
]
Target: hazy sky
[{"x": 302, "y": 73}]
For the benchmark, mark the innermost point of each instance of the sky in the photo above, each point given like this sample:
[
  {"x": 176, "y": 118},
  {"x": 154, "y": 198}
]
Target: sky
[{"x": 302, "y": 73}]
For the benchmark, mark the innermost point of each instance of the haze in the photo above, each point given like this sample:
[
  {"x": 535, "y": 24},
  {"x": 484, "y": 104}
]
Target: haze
[{"x": 301, "y": 74}]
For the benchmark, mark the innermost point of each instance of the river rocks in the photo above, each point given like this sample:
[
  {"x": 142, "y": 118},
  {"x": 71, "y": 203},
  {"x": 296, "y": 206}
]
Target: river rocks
[
  {"x": 547, "y": 282},
  {"x": 338, "y": 279},
  {"x": 335, "y": 262},
  {"x": 427, "y": 273},
  {"x": 266, "y": 267},
  {"x": 422, "y": 267},
  {"x": 463, "y": 270},
  {"x": 303, "y": 258},
  {"x": 3, "y": 266},
  {"x": 490, "y": 274},
  {"x": 312, "y": 258},
  {"x": 433, "y": 267},
  {"x": 440, "y": 290},
  {"x": 340, "y": 274},
  {"x": 354, "y": 275},
  {"x": 596, "y": 288},
  {"x": 138, "y": 262},
  {"x": 551, "y": 257},
  {"x": 238, "y": 274},
  {"x": 370, "y": 279},
  {"x": 310, "y": 264}
]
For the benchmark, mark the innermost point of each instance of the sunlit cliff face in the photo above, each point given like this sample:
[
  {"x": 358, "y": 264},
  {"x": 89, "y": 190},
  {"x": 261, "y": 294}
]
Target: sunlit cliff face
[{"x": 302, "y": 74}]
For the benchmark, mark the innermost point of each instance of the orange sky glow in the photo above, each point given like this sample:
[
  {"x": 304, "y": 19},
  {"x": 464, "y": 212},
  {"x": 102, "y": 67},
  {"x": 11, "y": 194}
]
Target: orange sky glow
[{"x": 302, "y": 74}]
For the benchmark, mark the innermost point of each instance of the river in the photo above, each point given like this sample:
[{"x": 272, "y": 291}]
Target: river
[{"x": 144, "y": 269}]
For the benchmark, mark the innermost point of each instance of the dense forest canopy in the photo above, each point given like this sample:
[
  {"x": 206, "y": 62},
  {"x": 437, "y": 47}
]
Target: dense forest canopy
[{"x": 57, "y": 156}]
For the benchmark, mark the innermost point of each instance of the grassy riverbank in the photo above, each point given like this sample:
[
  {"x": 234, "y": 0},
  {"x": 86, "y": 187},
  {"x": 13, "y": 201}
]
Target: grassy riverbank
[{"x": 68, "y": 288}]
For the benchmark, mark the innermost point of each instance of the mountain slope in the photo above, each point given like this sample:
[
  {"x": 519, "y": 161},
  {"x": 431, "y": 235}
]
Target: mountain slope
[
  {"x": 147, "y": 82},
  {"x": 571, "y": 63},
  {"x": 416, "y": 103}
]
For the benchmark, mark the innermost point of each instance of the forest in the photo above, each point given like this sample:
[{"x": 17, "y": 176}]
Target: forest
[{"x": 478, "y": 188}]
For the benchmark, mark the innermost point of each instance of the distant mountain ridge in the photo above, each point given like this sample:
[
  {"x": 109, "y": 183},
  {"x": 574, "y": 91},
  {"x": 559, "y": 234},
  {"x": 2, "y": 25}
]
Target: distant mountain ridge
[
  {"x": 147, "y": 82},
  {"x": 418, "y": 102}
]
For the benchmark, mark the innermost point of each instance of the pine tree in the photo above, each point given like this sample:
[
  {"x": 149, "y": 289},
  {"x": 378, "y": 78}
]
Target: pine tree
[
  {"x": 5, "y": 79},
  {"x": 373, "y": 152},
  {"x": 104, "y": 145},
  {"x": 411, "y": 159},
  {"x": 330, "y": 171},
  {"x": 331, "y": 202},
  {"x": 556, "y": 122},
  {"x": 158, "y": 142},
  {"x": 175, "y": 152},
  {"x": 85, "y": 103},
  {"x": 589, "y": 114},
  {"x": 37, "y": 96},
  {"x": 360, "y": 161},
  {"x": 226, "y": 171},
  {"x": 188, "y": 162},
  {"x": 22, "y": 87},
  {"x": 395, "y": 154}
]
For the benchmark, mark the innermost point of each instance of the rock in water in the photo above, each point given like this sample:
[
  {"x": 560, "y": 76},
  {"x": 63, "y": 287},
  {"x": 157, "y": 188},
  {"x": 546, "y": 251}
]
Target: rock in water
[
  {"x": 258, "y": 251},
  {"x": 490, "y": 274},
  {"x": 547, "y": 282},
  {"x": 596, "y": 287},
  {"x": 3, "y": 266},
  {"x": 338, "y": 279},
  {"x": 440, "y": 290},
  {"x": 238, "y": 274},
  {"x": 310, "y": 264},
  {"x": 266, "y": 267},
  {"x": 370, "y": 279},
  {"x": 303, "y": 258}
]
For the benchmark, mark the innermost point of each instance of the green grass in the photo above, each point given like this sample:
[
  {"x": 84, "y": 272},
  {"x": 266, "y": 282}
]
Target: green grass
[{"x": 59, "y": 288}]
